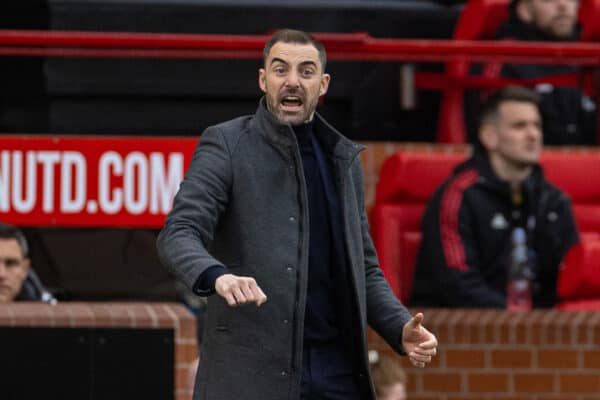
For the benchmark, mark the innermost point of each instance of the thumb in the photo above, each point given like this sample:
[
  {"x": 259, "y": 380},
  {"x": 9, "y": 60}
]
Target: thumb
[{"x": 416, "y": 320}]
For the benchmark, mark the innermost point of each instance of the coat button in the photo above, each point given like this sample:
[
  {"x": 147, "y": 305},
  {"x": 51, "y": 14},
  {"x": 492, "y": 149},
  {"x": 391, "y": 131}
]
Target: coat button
[
  {"x": 283, "y": 373},
  {"x": 292, "y": 219},
  {"x": 289, "y": 268},
  {"x": 285, "y": 321}
]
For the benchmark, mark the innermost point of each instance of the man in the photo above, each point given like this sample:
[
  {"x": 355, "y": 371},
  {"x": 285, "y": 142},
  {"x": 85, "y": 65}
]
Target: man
[
  {"x": 569, "y": 116},
  {"x": 467, "y": 226},
  {"x": 17, "y": 280},
  {"x": 271, "y": 212}
]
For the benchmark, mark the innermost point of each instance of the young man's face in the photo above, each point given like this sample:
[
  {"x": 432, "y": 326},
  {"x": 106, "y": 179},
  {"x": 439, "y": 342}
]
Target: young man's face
[
  {"x": 293, "y": 80},
  {"x": 13, "y": 269},
  {"x": 555, "y": 17},
  {"x": 516, "y": 136}
]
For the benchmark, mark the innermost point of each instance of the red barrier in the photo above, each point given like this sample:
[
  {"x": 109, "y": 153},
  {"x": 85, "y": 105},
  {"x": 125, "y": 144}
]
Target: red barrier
[{"x": 340, "y": 46}]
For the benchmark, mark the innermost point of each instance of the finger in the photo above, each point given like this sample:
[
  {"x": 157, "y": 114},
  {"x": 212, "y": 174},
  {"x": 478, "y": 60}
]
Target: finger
[
  {"x": 417, "y": 319},
  {"x": 420, "y": 358},
  {"x": 428, "y": 344},
  {"x": 259, "y": 295},
  {"x": 239, "y": 296},
  {"x": 248, "y": 293},
  {"x": 416, "y": 363},
  {"x": 230, "y": 299},
  {"x": 425, "y": 352}
]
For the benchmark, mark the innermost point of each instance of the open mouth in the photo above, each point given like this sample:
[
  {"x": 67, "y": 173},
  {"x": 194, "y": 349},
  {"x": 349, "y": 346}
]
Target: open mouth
[{"x": 291, "y": 102}]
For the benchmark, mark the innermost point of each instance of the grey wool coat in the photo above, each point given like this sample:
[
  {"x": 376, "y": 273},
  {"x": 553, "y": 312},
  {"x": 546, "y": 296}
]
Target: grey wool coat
[{"x": 243, "y": 205}]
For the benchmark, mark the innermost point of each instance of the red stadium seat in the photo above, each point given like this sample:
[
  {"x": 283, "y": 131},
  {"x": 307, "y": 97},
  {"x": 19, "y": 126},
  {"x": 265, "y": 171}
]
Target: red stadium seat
[
  {"x": 406, "y": 182},
  {"x": 409, "y": 178},
  {"x": 580, "y": 275},
  {"x": 589, "y": 16},
  {"x": 480, "y": 19}
]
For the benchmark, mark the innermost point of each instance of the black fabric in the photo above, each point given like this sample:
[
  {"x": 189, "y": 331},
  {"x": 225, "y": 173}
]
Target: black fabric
[
  {"x": 32, "y": 288},
  {"x": 485, "y": 218},
  {"x": 320, "y": 324},
  {"x": 205, "y": 285}
]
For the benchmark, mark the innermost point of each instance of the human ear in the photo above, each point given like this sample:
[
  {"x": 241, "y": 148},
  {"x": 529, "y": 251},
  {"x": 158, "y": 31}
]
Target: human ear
[
  {"x": 324, "y": 84},
  {"x": 262, "y": 80}
]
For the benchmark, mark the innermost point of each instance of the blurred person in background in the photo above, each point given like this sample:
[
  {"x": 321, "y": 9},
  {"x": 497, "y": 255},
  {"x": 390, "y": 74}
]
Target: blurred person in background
[
  {"x": 569, "y": 116},
  {"x": 464, "y": 255},
  {"x": 389, "y": 377},
  {"x": 18, "y": 281}
]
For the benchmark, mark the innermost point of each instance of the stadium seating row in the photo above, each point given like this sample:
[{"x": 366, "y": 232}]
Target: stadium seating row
[{"x": 409, "y": 178}]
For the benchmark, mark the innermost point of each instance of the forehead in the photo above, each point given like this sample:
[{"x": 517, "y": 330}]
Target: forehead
[
  {"x": 9, "y": 247},
  {"x": 294, "y": 53},
  {"x": 512, "y": 110}
]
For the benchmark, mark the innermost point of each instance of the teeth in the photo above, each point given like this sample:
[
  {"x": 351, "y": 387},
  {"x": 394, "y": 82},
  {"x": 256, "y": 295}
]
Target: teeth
[{"x": 292, "y": 98}]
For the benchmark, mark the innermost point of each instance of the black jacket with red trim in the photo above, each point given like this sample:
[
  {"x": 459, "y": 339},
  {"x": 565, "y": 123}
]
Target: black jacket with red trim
[{"x": 464, "y": 253}]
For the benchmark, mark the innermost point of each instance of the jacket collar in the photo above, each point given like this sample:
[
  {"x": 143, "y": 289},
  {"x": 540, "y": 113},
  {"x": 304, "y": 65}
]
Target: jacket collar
[
  {"x": 281, "y": 135},
  {"x": 488, "y": 177}
]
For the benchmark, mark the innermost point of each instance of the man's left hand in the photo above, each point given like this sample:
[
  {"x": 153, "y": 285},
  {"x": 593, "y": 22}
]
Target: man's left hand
[{"x": 418, "y": 342}]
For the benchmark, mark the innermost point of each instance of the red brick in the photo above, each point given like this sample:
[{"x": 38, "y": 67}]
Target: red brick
[
  {"x": 142, "y": 317},
  {"x": 181, "y": 376},
  {"x": 492, "y": 382},
  {"x": 511, "y": 358},
  {"x": 502, "y": 327},
  {"x": 102, "y": 314},
  {"x": 516, "y": 335},
  {"x": 591, "y": 359},
  {"x": 185, "y": 353},
  {"x": 552, "y": 328},
  {"x": 441, "y": 382},
  {"x": 465, "y": 358},
  {"x": 534, "y": 383},
  {"x": 81, "y": 314},
  {"x": 7, "y": 315},
  {"x": 557, "y": 397},
  {"x": 557, "y": 358},
  {"x": 578, "y": 383}
]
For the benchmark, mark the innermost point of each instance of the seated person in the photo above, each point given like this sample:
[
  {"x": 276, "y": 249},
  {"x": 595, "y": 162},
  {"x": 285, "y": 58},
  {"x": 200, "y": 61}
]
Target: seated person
[
  {"x": 389, "y": 378},
  {"x": 17, "y": 280},
  {"x": 467, "y": 226},
  {"x": 569, "y": 116}
]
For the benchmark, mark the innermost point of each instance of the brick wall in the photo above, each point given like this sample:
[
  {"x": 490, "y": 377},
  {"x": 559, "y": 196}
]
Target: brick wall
[
  {"x": 497, "y": 355},
  {"x": 114, "y": 315}
]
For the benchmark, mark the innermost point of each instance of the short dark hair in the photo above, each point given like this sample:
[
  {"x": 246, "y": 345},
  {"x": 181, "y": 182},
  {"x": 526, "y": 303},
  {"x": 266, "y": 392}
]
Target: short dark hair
[
  {"x": 12, "y": 232},
  {"x": 491, "y": 105},
  {"x": 294, "y": 36}
]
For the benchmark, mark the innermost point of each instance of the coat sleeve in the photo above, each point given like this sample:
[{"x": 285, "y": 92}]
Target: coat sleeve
[
  {"x": 449, "y": 250},
  {"x": 385, "y": 313},
  {"x": 203, "y": 195}
]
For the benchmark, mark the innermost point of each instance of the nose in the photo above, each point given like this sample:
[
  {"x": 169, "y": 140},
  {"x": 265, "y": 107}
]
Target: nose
[{"x": 292, "y": 80}]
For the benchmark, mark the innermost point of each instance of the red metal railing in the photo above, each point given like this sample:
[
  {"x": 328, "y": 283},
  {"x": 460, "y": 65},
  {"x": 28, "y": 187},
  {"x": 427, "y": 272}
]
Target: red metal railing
[{"x": 342, "y": 46}]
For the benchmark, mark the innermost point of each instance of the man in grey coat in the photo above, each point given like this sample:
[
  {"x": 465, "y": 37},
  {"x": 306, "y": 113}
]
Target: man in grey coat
[{"x": 271, "y": 213}]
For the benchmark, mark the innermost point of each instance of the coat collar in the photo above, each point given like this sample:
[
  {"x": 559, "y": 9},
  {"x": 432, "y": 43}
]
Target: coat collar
[{"x": 282, "y": 135}]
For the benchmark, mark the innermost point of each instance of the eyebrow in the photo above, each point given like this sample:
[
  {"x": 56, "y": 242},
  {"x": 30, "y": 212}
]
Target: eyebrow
[{"x": 277, "y": 59}]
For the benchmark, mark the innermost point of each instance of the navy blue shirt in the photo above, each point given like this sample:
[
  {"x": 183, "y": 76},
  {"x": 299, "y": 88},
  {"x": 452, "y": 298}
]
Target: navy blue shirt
[{"x": 320, "y": 322}]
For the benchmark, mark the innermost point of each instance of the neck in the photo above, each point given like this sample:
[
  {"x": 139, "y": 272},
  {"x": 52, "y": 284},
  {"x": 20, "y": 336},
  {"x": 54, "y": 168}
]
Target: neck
[{"x": 513, "y": 173}]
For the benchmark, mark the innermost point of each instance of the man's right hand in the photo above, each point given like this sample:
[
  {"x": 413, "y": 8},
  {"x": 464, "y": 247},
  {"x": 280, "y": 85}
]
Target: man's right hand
[{"x": 238, "y": 290}]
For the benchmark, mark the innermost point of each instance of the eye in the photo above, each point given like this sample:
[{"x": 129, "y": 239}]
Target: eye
[
  {"x": 308, "y": 72},
  {"x": 12, "y": 263},
  {"x": 280, "y": 70}
]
